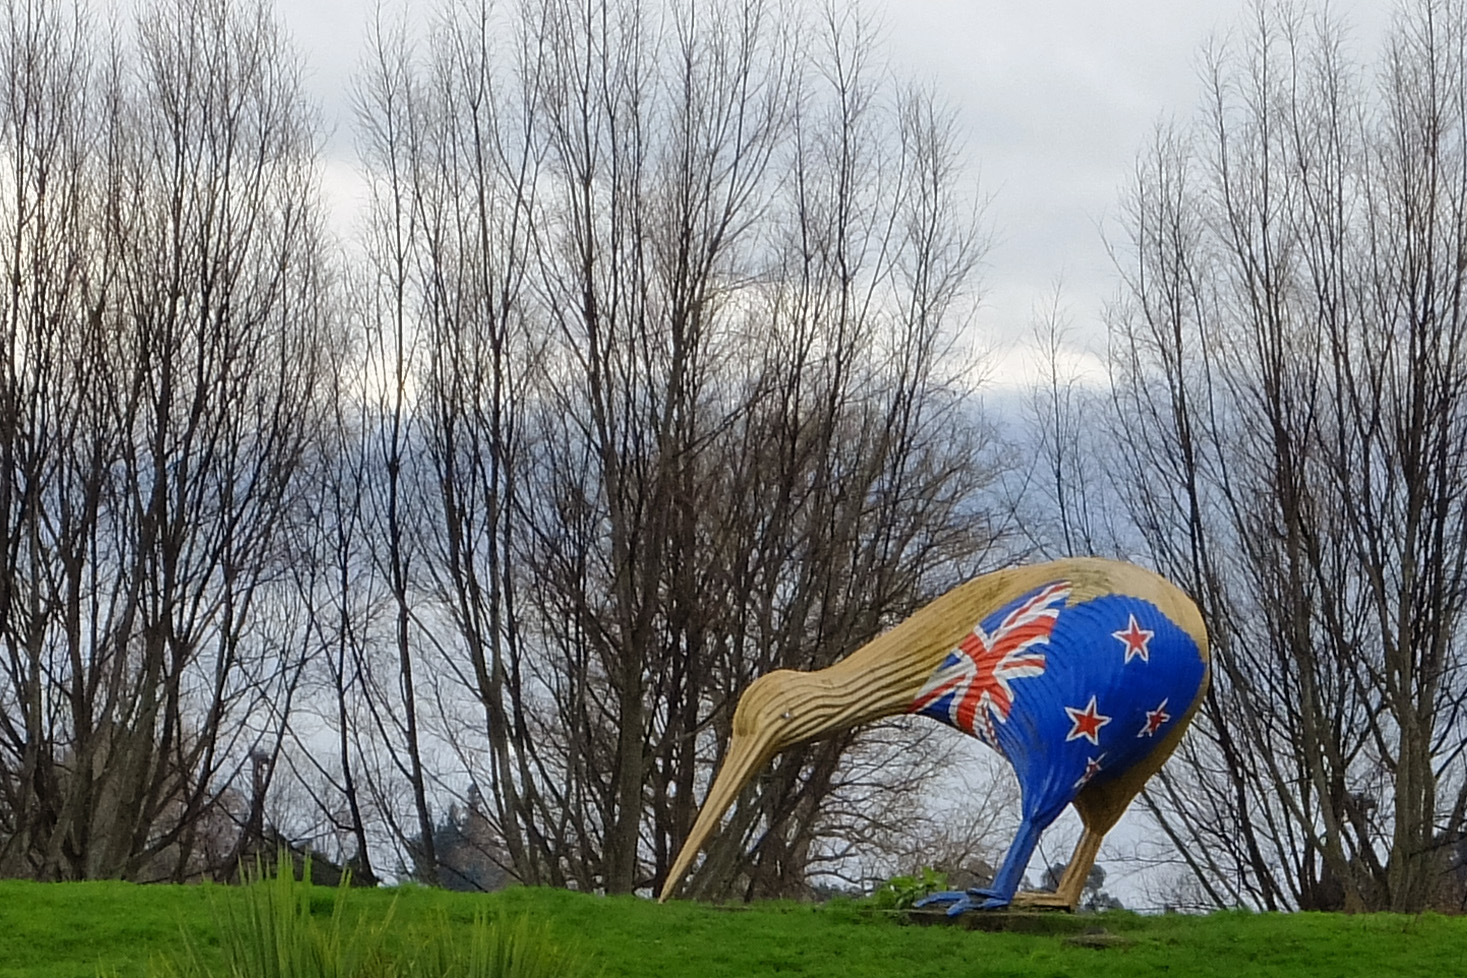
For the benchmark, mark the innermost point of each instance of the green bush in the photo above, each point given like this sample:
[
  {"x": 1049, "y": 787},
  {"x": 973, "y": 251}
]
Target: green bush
[{"x": 903, "y": 892}]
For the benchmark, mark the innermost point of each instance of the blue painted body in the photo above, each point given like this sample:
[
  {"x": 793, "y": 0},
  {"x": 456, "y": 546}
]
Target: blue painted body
[{"x": 1071, "y": 695}]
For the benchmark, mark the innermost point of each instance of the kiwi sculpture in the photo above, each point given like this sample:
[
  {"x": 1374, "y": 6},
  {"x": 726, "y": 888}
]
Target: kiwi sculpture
[{"x": 1083, "y": 673}]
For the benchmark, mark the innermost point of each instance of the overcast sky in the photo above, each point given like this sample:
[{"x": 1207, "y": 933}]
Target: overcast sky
[{"x": 1055, "y": 99}]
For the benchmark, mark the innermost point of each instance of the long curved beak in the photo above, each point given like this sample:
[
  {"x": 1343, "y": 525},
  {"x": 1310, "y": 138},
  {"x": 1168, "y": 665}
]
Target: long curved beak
[{"x": 746, "y": 755}]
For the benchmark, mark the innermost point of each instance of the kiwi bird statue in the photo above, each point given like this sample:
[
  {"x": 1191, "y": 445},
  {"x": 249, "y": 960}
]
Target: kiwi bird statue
[{"x": 1083, "y": 673}]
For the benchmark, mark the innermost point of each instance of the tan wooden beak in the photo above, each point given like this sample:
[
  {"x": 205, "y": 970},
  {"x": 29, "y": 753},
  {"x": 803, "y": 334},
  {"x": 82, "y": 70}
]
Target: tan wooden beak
[{"x": 746, "y": 755}]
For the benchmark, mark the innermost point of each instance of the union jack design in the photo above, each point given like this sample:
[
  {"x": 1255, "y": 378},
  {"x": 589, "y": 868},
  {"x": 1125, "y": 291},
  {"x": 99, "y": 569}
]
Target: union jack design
[{"x": 971, "y": 689}]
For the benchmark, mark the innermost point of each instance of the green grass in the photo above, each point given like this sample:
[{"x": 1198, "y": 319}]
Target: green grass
[{"x": 82, "y": 930}]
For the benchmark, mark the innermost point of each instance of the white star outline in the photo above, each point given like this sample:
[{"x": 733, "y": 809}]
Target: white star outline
[{"x": 1136, "y": 639}]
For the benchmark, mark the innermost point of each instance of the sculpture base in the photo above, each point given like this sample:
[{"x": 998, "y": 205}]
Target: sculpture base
[{"x": 1026, "y": 921}]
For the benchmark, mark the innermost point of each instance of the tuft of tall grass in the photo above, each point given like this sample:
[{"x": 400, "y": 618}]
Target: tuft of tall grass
[
  {"x": 494, "y": 949},
  {"x": 272, "y": 932}
]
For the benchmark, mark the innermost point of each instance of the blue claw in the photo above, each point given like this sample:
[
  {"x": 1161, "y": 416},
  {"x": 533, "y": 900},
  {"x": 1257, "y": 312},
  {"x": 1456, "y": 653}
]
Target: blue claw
[
  {"x": 961, "y": 907},
  {"x": 944, "y": 896},
  {"x": 993, "y": 899},
  {"x": 965, "y": 900}
]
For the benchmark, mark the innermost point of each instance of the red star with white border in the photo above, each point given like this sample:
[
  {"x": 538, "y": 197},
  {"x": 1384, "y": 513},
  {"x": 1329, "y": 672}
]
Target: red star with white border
[
  {"x": 1087, "y": 723},
  {"x": 1135, "y": 638},
  {"x": 1154, "y": 720},
  {"x": 1092, "y": 768}
]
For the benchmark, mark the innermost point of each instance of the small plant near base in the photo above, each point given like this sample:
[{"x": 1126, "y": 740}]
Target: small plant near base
[{"x": 903, "y": 892}]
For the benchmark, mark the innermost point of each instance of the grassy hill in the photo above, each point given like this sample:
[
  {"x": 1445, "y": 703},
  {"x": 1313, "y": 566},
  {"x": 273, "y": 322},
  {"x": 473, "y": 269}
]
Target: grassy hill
[{"x": 82, "y": 930}]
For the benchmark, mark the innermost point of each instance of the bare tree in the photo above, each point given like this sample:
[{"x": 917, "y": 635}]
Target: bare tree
[
  {"x": 1059, "y": 497},
  {"x": 48, "y": 98},
  {"x": 651, "y": 388},
  {"x": 339, "y": 606},
  {"x": 685, "y": 399},
  {"x": 163, "y": 330},
  {"x": 1290, "y": 378},
  {"x": 393, "y": 134}
]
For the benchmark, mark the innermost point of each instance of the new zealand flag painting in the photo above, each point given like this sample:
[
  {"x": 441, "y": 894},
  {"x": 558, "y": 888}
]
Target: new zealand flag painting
[{"x": 1067, "y": 692}]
